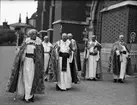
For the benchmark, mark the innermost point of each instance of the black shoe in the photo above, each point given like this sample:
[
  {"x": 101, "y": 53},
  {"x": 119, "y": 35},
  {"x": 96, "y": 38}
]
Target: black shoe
[
  {"x": 121, "y": 81},
  {"x": 115, "y": 80},
  {"x": 23, "y": 99},
  {"x": 77, "y": 82},
  {"x": 94, "y": 79},
  {"x": 58, "y": 88},
  {"x": 68, "y": 88},
  {"x": 88, "y": 79},
  {"x": 46, "y": 79},
  {"x": 98, "y": 76},
  {"x": 27, "y": 101},
  {"x": 31, "y": 99}
]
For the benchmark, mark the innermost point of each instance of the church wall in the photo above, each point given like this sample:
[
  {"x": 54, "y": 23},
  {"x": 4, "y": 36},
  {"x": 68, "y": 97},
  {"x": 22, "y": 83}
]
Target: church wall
[
  {"x": 56, "y": 32},
  {"x": 73, "y": 10},
  {"x": 58, "y": 10},
  {"x": 70, "y": 15}
]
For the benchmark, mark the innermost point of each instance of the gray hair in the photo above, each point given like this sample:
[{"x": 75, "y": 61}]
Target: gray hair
[
  {"x": 93, "y": 36},
  {"x": 121, "y": 36},
  {"x": 31, "y": 31},
  {"x": 46, "y": 37},
  {"x": 70, "y": 34},
  {"x": 64, "y": 34}
]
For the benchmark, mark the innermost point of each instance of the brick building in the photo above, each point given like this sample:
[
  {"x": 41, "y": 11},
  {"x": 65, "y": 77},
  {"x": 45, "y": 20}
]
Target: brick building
[
  {"x": 4, "y": 26},
  {"x": 107, "y": 19}
]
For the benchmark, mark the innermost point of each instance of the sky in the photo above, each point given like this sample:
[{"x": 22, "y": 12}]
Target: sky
[{"x": 10, "y": 10}]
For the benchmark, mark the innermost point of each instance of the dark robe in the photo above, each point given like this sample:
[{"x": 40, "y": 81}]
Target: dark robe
[
  {"x": 99, "y": 69},
  {"x": 116, "y": 64},
  {"x": 75, "y": 62},
  {"x": 53, "y": 66},
  {"x": 38, "y": 82},
  {"x": 83, "y": 73},
  {"x": 17, "y": 66}
]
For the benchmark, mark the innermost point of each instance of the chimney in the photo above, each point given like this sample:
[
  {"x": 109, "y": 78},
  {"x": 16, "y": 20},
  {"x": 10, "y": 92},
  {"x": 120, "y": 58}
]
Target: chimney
[
  {"x": 27, "y": 20},
  {"x": 20, "y": 18},
  {"x": 5, "y": 25}
]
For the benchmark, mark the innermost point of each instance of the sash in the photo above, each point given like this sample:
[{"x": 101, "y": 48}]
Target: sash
[{"x": 64, "y": 60}]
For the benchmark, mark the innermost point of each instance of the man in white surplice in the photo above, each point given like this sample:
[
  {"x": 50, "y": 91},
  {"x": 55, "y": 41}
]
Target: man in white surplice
[
  {"x": 47, "y": 49},
  {"x": 92, "y": 57},
  {"x": 64, "y": 74},
  {"x": 27, "y": 75}
]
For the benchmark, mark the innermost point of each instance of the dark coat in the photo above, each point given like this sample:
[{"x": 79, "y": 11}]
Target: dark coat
[
  {"x": 38, "y": 82},
  {"x": 53, "y": 66}
]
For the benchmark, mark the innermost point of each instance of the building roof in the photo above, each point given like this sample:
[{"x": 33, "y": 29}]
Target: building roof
[
  {"x": 118, "y": 5},
  {"x": 34, "y": 15}
]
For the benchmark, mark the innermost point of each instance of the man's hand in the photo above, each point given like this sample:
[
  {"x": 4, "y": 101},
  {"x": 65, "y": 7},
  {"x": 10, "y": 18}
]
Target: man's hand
[
  {"x": 58, "y": 49},
  {"x": 117, "y": 52},
  {"x": 79, "y": 73},
  {"x": 17, "y": 50}
]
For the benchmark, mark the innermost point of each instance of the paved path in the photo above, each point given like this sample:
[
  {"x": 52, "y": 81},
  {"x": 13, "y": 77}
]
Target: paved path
[{"x": 87, "y": 93}]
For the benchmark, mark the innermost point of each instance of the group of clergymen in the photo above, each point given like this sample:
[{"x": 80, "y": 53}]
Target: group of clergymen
[{"x": 37, "y": 62}]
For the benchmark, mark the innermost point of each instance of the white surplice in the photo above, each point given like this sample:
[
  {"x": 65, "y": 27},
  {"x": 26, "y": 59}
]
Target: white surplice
[
  {"x": 92, "y": 61},
  {"x": 27, "y": 75},
  {"x": 64, "y": 79},
  {"x": 47, "y": 49}
]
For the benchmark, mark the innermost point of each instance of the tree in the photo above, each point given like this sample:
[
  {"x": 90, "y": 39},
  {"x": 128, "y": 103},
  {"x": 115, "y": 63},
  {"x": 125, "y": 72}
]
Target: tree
[{"x": 7, "y": 37}]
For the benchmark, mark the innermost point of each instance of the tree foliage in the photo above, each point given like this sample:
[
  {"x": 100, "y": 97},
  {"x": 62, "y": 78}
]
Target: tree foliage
[{"x": 8, "y": 37}]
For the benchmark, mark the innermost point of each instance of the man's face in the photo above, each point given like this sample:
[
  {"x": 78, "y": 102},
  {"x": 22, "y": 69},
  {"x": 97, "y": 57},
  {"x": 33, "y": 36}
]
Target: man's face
[
  {"x": 64, "y": 37},
  {"x": 40, "y": 35},
  {"x": 70, "y": 36},
  {"x": 46, "y": 39},
  {"x": 33, "y": 35},
  {"x": 121, "y": 39}
]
